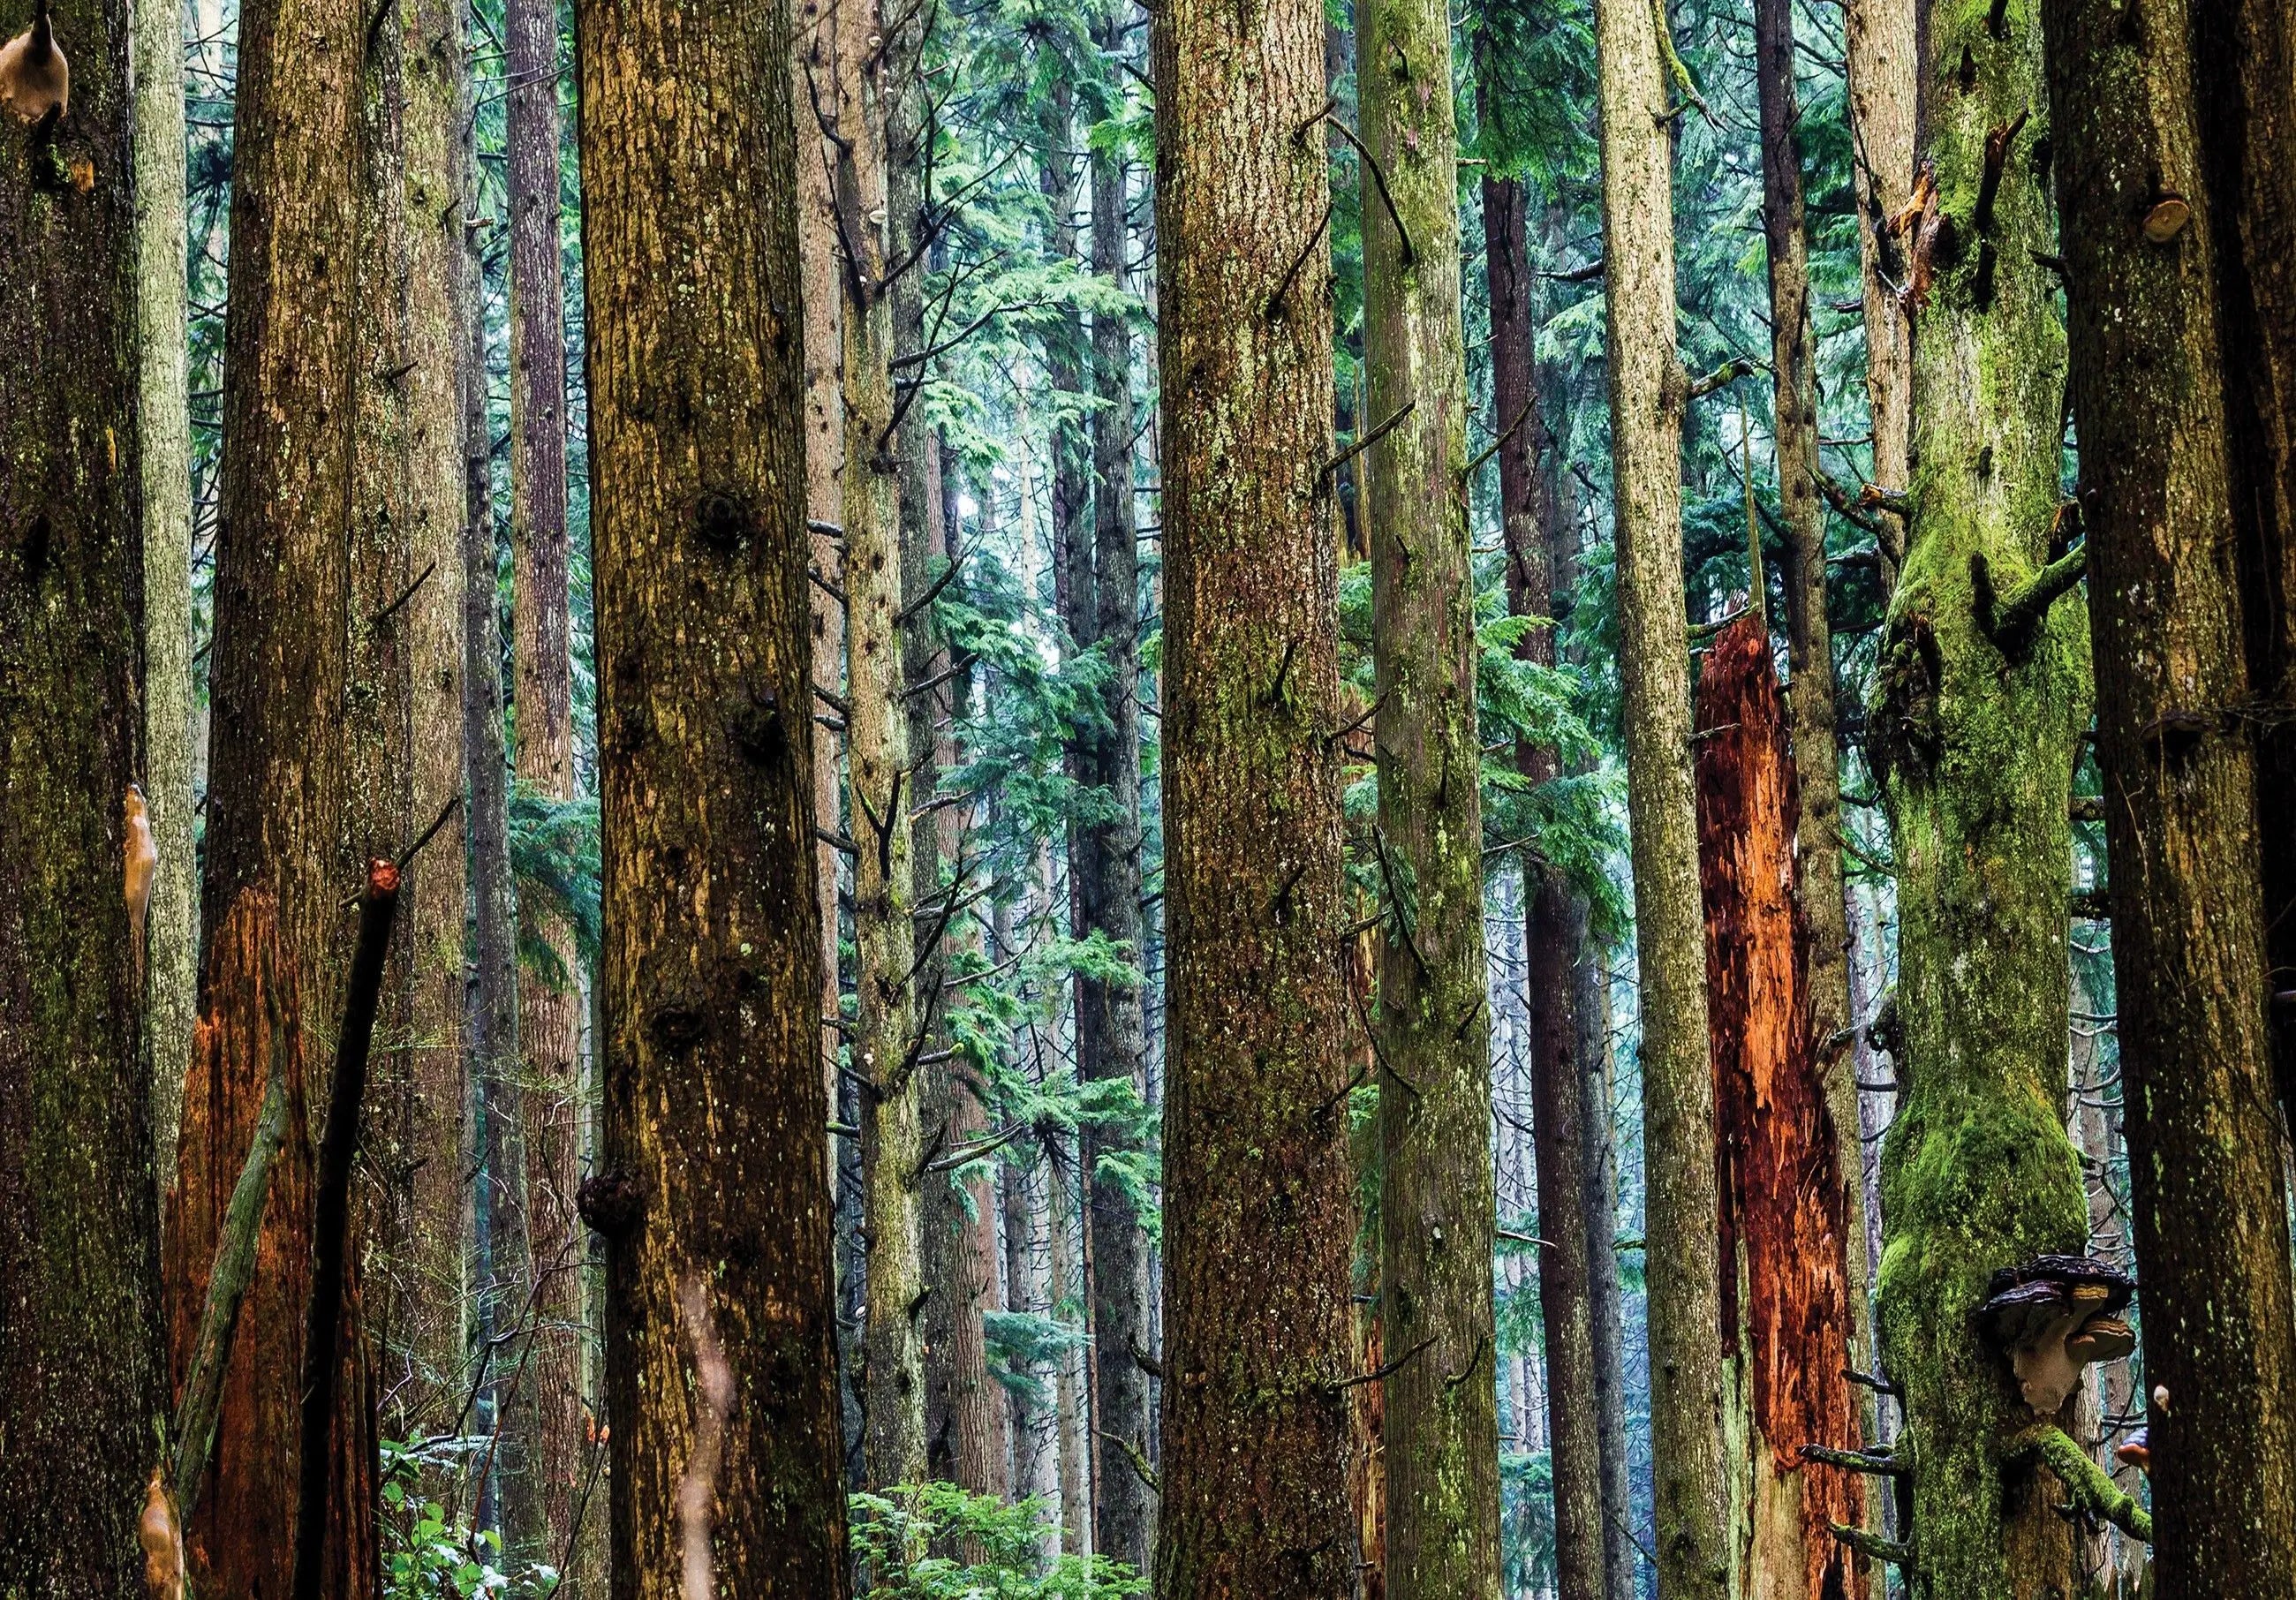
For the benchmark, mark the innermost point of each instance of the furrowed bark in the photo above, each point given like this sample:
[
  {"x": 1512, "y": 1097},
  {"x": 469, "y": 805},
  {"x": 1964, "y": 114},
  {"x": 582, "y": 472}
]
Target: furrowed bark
[
  {"x": 549, "y": 1011},
  {"x": 1124, "y": 1509},
  {"x": 1554, "y": 926},
  {"x": 1974, "y": 743},
  {"x": 80, "y": 1354},
  {"x": 1256, "y": 1176},
  {"x": 1648, "y": 391},
  {"x": 712, "y": 1177},
  {"x": 171, "y": 951},
  {"x": 1784, "y": 1230},
  {"x": 1436, "y": 1203},
  {"x": 2179, "y": 767}
]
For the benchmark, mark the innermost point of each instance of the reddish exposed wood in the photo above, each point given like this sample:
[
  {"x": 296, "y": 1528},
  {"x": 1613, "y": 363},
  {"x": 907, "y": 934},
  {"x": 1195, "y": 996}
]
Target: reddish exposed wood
[
  {"x": 240, "y": 1539},
  {"x": 1786, "y": 1303},
  {"x": 1367, "y": 1417}
]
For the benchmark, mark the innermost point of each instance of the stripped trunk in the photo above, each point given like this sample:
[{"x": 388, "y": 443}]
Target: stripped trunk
[
  {"x": 2188, "y": 940},
  {"x": 550, "y": 1005},
  {"x": 81, "y": 1359},
  {"x": 428, "y": 1305},
  {"x": 1435, "y": 1208},
  {"x": 1648, "y": 391},
  {"x": 1810, "y": 695},
  {"x": 1785, "y": 1228},
  {"x": 711, "y": 1189},
  {"x": 171, "y": 944},
  {"x": 1973, "y": 737},
  {"x": 1256, "y": 1170},
  {"x": 1112, "y": 1041},
  {"x": 1553, "y": 924}
]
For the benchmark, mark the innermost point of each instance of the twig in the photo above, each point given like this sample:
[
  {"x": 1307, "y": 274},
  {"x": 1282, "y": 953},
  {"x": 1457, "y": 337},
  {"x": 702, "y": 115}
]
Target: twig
[
  {"x": 331, "y": 1218},
  {"x": 1498, "y": 444},
  {"x": 1379, "y": 178},
  {"x": 1369, "y": 439},
  {"x": 1377, "y": 1373},
  {"x": 404, "y": 596}
]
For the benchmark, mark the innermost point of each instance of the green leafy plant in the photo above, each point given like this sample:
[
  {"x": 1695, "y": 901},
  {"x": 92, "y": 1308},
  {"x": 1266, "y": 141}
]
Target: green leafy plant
[
  {"x": 935, "y": 1541},
  {"x": 428, "y": 1555}
]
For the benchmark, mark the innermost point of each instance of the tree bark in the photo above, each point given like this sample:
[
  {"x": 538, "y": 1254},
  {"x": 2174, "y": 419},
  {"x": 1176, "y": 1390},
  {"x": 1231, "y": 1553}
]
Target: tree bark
[
  {"x": 1606, "y": 1308},
  {"x": 550, "y": 1012},
  {"x": 1124, "y": 1508},
  {"x": 886, "y": 1040},
  {"x": 425, "y": 1326},
  {"x": 80, "y": 1352},
  {"x": 1785, "y": 1227},
  {"x": 1974, "y": 733},
  {"x": 2188, "y": 920},
  {"x": 1436, "y": 1203},
  {"x": 172, "y": 942},
  {"x": 2244, "y": 69},
  {"x": 1256, "y": 1176},
  {"x": 1809, "y": 645},
  {"x": 1648, "y": 391},
  {"x": 1883, "y": 49},
  {"x": 711, "y": 1185},
  {"x": 1554, "y": 927}
]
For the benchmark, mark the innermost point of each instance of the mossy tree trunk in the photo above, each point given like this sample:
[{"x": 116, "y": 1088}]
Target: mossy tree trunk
[
  {"x": 1436, "y": 1201},
  {"x": 1881, "y": 52},
  {"x": 1973, "y": 737},
  {"x": 1125, "y": 1512},
  {"x": 81, "y": 1357},
  {"x": 1258, "y": 1213},
  {"x": 1554, "y": 925},
  {"x": 712, "y": 1188},
  {"x": 1784, "y": 1227},
  {"x": 2188, "y": 940},
  {"x": 1648, "y": 392}
]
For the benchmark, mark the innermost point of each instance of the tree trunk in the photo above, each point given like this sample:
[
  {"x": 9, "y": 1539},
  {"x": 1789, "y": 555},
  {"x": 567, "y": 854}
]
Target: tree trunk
[
  {"x": 1882, "y": 51},
  {"x": 1553, "y": 925},
  {"x": 1785, "y": 1227},
  {"x": 1973, "y": 737},
  {"x": 1810, "y": 694},
  {"x": 1436, "y": 1209},
  {"x": 1068, "y": 1395},
  {"x": 2188, "y": 940},
  {"x": 1036, "y": 1461},
  {"x": 1116, "y": 1028},
  {"x": 1605, "y": 1307},
  {"x": 240, "y": 1538},
  {"x": 1257, "y": 1180},
  {"x": 426, "y": 1326},
  {"x": 711, "y": 1189},
  {"x": 171, "y": 941},
  {"x": 2244, "y": 71},
  {"x": 887, "y": 1040},
  {"x": 80, "y": 1356},
  {"x": 1648, "y": 391}
]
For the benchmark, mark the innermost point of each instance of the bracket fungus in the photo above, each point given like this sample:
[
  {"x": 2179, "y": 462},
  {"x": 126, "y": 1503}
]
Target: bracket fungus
[
  {"x": 35, "y": 78},
  {"x": 2054, "y": 1316}
]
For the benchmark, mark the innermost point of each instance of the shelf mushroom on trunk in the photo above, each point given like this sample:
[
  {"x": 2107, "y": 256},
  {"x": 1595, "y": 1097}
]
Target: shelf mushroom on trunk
[{"x": 2054, "y": 1316}]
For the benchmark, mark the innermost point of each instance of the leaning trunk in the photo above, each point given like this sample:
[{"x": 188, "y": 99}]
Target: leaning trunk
[
  {"x": 2188, "y": 921},
  {"x": 1648, "y": 392},
  {"x": 712, "y": 1183},
  {"x": 80, "y": 1360},
  {"x": 1256, "y": 1171}
]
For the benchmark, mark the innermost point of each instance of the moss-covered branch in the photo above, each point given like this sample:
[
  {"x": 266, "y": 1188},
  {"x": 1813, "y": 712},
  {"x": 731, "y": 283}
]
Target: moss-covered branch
[
  {"x": 2011, "y": 620},
  {"x": 2092, "y": 1490},
  {"x": 1873, "y": 1547}
]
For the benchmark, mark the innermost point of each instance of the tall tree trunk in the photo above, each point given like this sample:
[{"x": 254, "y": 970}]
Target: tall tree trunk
[
  {"x": 550, "y": 1008},
  {"x": 1882, "y": 52},
  {"x": 1436, "y": 1209},
  {"x": 308, "y": 725},
  {"x": 1785, "y": 1227},
  {"x": 1605, "y": 1300},
  {"x": 171, "y": 938},
  {"x": 712, "y": 1176},
  {"x": 426, "y": 1317},
  {"x": 872, "y": 73},
  {"x": 1810, "y": 693},
  {"x": 1070, "y": 1398},
  {"x": 2244, "y": 68},
  {"x": 1036, "y": 1460},
  {"x": 1257, "y": 1179},
  {"x": 80, "y": 1357},
  {"x": 1974, "y": 735},
  {"x": 1113, "y": 1043},
  {"x": 1648, "y": 392},
  {"x": 2189, "y": 956},
  {"x": 1553, "y": 924},
  {"x": 505, "y": 1257}
]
